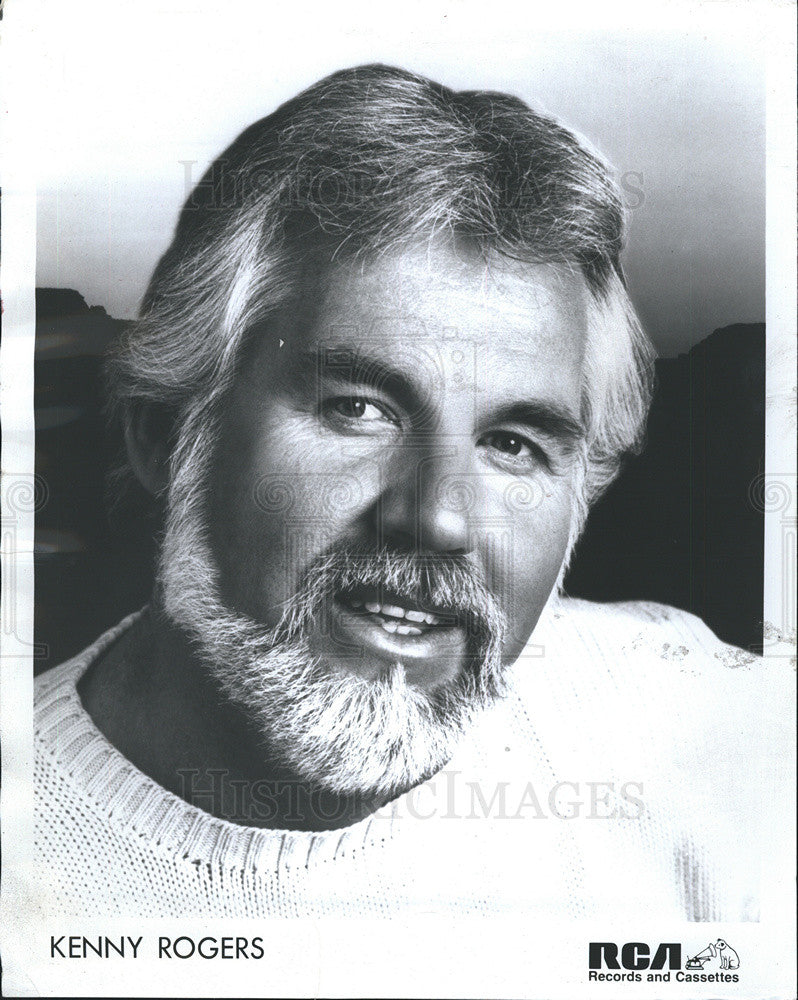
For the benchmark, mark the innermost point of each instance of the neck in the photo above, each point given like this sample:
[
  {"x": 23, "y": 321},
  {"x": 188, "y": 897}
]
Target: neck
[{"x": 151, "y": 698}]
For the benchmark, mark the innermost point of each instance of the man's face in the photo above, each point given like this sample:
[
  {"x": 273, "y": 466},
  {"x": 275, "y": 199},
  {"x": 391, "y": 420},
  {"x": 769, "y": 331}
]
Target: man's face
[{"x": 426, "y": 403}]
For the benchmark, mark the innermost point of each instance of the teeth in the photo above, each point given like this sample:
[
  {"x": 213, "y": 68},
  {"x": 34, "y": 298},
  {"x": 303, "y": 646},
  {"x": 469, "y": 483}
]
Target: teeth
[
  {"x": 399, "y": 629},
  {"x": 394, "y": 611},
  {"x": 407, "y": 630}
]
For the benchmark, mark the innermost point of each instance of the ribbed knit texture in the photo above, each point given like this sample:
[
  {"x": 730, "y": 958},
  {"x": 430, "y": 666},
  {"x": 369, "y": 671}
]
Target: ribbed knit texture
[{"x": 625, "y": 693}]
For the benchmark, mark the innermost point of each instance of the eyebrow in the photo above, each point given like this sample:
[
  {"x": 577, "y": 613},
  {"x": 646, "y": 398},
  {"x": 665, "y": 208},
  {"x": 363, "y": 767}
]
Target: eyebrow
[
  {"x": 549, "y": 418},
  {"x": 353, "y": 367},
  {"x": 350, "y": 365}
]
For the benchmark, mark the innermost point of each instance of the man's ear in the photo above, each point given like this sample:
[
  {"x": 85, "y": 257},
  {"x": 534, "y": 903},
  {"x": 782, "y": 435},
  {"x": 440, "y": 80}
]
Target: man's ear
[{"x": 147, "y": 439}]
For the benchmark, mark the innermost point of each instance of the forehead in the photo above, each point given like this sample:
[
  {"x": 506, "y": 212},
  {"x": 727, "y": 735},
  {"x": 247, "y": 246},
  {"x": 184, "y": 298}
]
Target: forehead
[{"x": 506, "y": 311}]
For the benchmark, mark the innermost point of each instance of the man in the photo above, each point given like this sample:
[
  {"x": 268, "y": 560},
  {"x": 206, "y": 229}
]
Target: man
[{"x": 378, "y": 378}]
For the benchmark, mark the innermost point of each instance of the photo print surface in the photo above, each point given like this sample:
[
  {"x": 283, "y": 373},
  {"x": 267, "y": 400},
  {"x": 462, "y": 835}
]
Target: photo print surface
[{"x": 402, "y": 473}]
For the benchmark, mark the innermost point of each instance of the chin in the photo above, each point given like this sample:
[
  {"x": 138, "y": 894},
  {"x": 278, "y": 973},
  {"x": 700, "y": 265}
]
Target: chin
[{"x": 345, "y": 733}]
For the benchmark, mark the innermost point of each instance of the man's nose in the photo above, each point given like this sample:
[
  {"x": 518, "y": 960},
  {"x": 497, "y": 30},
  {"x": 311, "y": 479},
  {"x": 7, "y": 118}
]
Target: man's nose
[{"x": 429, "y": 500}]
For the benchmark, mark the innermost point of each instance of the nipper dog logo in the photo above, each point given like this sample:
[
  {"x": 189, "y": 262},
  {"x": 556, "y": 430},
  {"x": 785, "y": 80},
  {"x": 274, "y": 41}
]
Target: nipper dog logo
[{"x": 719, "y": 955}]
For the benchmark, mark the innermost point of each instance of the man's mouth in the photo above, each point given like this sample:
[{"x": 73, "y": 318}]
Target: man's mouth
[
  {"x": 372, "y": 626},
  {"x": 396, "y": 614}
]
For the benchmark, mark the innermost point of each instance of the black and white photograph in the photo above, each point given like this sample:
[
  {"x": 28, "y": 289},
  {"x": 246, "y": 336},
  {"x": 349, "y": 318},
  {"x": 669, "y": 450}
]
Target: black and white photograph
[{"x": 399, "y": 505}]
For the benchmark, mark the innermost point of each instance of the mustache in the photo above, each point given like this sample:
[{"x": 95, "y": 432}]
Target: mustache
[{"x": 434, "y": 581}]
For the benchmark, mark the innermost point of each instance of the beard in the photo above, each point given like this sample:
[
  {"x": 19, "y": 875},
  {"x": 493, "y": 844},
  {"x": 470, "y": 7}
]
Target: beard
[{"x": 333, "y": 729}]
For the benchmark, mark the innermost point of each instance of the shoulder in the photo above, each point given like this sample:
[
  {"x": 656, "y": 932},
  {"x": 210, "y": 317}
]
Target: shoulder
[
  {"x": 629, "y": 619},
  {"x": 58, "y": 709},
  {"x": 659, "y": 673},
  {"x": 644, "y": 692},
  {"x": 633, "y": 633},
  {"x": 61, "y": 678}
]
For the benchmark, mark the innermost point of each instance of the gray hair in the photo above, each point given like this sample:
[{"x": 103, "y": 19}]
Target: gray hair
[{"x": 367, "y": 161}]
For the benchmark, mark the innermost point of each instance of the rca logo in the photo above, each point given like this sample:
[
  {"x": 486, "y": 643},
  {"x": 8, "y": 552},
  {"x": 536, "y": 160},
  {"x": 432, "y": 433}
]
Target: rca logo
[
  {"x": 637, "y": 961},
  {"x": 635, "y": 956}
]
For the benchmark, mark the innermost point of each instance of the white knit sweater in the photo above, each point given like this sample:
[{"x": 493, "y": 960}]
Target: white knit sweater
[{"x": 632, "y": 710}]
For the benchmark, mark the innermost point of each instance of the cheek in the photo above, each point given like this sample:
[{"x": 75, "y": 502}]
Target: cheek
[
  {"x": 263, "y": 539},
  {"x": 245, "y": 537},
  {"x": 252, "y": 501},
  {"x": 281, "y": 496}
]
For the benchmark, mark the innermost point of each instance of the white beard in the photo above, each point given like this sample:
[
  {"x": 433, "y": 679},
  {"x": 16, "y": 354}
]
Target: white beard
[{"x": 336, "y": 731}]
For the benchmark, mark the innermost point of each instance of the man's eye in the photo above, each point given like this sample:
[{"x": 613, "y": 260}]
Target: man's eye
[
  {"x": 358, "y": 408},
  {"x": 515, "y": 446}
]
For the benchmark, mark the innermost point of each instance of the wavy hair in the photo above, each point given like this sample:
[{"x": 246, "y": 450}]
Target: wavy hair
[{"x": 365, "y": 162}]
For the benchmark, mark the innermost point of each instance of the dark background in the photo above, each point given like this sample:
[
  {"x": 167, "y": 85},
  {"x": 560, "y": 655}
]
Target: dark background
[{"x": 678, "y": 526}]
